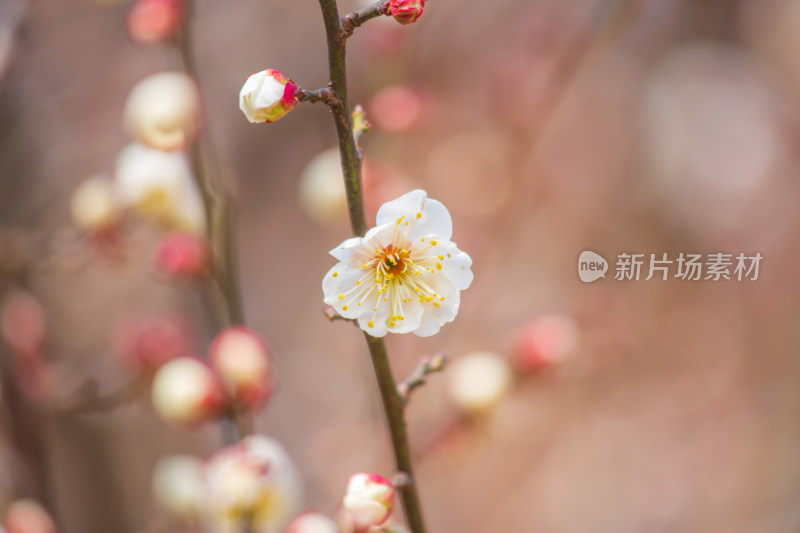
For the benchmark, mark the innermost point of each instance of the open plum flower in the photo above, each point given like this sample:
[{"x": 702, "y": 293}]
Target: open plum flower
[{"x": 404, "y": 275}]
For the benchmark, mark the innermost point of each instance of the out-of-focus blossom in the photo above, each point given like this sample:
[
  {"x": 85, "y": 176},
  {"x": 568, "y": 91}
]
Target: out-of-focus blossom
[
  {"x": 403, "y": 276},
  {"x": 23, "y": 323},
  {"x": 544, "y": 340},
  {"x": 28, "y": 516},
  {"x": 185, "y": 391},
  {"x": 179, "y": 486},
  {"x": 242, "y": 360},
  {"x": 159, "y": 185},
  {"x": 94, "y": 204},
  {"x": 148, "y": 342},
  {"x": 368, "y": 501},
  {"x": 254, "y": 480},
  {"x": 155, "y": 21},
  {"x": 406, "y": 11},
  {"x": 478, "y": 381},
  {"x": 163, "y": 111},
  {"x": 266, "y": 96},
  {"x": 396, "y": 108},
  {"x": 322, "y": 193},
  {"x": 312, "y": 523},
  {"x": 182, "y": 255}
]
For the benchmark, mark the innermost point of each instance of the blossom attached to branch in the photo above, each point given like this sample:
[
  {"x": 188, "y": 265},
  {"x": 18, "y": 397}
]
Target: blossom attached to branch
[
  {"x": 404, "y": 275},
  {"x": 267, "y": 96}
]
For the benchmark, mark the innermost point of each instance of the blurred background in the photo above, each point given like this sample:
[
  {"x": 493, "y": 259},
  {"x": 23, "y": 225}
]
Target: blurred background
[{"x": 546, "y": 128}]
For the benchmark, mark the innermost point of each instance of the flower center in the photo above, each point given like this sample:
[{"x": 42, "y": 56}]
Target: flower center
[{"x": 393, "y": 262}]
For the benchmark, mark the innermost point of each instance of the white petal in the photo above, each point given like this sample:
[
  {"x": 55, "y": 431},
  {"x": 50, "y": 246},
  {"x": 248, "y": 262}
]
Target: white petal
[
  {"x": 434, "y": 217},
  {"x": 340, "y": 289},
  {"x": 412, "y": 317},
  {"x": 345, "y": 251},
  {"x": 456, "y": 264},
  {"x": 435, "y": 317},
  {"x": 374, "y": 322}
]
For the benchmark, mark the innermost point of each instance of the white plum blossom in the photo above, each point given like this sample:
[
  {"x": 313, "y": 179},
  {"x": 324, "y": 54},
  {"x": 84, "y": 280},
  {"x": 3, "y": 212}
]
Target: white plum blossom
[{"x": 404, "y": 275}]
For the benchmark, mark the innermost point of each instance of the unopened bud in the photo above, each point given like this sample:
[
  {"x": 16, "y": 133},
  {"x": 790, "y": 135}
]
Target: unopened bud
[
  {"x": 178, "y": 486},
  {"x": 94, "y": 205},
  {"x": 163, "y": 111},
  {"x": 154, "y": 21},
  {"x": 186, "y": 391},
  {"x": 182, "y": 255},
  {"x": 478, "y": 381},
  {"x": 543, "y": 341},
  {"x": 312, "y": 523},
  {"x": 266, "y": 96},
  {"x": 147, "y": 343},
  {"x": 242, "y": 360},
  {"x": 406, "y": 11},
  {"x": 28, "y": 516},
  {"x": 23, "y": 323},
  {"x": 368, "y": 501}
]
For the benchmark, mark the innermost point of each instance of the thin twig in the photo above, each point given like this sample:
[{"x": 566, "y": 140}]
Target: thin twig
[
  {"x": 427, "y": 366},
  {"x": 325, "y": 96},
  {"x": 88, "y": 399},
  {"x": 337, "y": 33},
  {"x": 356, "y": 18}
]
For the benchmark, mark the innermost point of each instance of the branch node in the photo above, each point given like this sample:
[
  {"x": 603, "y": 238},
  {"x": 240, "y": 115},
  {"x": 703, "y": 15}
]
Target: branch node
[
  {"x": 401, "y": 480},
  {"x": 427, "y": 366}
]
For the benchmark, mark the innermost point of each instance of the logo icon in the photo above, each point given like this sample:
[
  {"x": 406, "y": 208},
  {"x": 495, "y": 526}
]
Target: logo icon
[{"x": 591, "y": 266}]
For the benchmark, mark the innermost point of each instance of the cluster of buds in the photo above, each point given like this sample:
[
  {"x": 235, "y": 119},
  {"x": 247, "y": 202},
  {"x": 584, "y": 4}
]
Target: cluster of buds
[
  {"x": 237, "y": 378},
  {"x": 250, "y": 486}
]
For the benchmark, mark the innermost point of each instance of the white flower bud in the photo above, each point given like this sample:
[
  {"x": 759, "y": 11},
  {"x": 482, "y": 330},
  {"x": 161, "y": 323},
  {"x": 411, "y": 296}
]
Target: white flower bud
[
  {"x": 159, "y": 186},
  {"x": 178, "y": 486},
  {"x": 94, "y": 205},
  {"x": 242, "y": 360},
  {"x": 478, "y": 381},
  {"x": 186, "y": 391},
  {"x": 322, "y": 194},
  {"x": 266, "y": 96},
  {"x": 163, "y": 111},
  {"x": 368, "y": 501}
]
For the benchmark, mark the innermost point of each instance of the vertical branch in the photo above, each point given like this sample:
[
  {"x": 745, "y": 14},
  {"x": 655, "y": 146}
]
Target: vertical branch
[
  {"x": 351, "y": 168},
  {"x": 217, "y": 203}
]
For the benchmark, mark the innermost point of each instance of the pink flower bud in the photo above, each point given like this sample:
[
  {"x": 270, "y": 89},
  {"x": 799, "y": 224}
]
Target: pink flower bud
[
  {"x": 186, "y": 391},
  {"x": 312, "y": 523},
  {"x": 28, "y": 516},
  {"x": 406, "y": 11},
  {"x": 368, "y": 501},
  {"x": 543, "y": 341},
  {"x": 154, "y": 21},
  {"x": 242, "y": 360},
  {"x": 397, "y": 108},
  {"x": 146, "y": 343},
  {"x": 22, "y": 323},
  {"x": 266, "y": 96},
  {"x": 182, "y": 255}
]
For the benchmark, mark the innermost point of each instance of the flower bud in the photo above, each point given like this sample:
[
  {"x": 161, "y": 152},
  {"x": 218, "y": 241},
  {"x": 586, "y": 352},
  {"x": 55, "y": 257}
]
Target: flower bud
[
  {"x": 146, "y": 343},
  {"x": 312, "y": 523},
  {"x": 543, "y": 341},
  {"x": 159, "y": 186},
  {"x": 163, "y": 111},
  {"x": 23, "y": 323},
  {"x": 186, "y": 391},
  {"x": 478, "y": 381},
  {"x": 406, "y": 11},
  {"x": 94, "y": 205},
  {"x": 155, "y": 21},
  {"x": 397, "y": 108},
  {"x": 368, "y": 501},
  {"x": 178, "y": 486},
  {"x": 322, "y": 193},
  {"x": 242, "y": 361},
  {"x": 182, "y": 255},
  {"x": 266, "y": 96},
  {"x": 28, "y": 516},
  {"x": 254, "y": 480}
]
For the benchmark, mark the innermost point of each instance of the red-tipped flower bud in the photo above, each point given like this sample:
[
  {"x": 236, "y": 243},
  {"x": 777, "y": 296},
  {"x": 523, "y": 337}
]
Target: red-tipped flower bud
[
  {"x": 266, "y": 96},
  {"x": 368, "y": 501},
  {"x": 187, "y": 392},
  {"x": 543, "y": 341},
  {"x": 406, "y": 11},
  {"x": 182, "y": 255},
  {"x": 242, "y": 360}
]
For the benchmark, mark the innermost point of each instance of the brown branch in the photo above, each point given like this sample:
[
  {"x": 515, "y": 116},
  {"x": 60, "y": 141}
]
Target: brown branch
[
  {"x": 356, "y": 18},
  {"x": 428, "y": 365},
  {"x": 336, "y": 30},
  {"x": 325, "y": 96},
  {"x": 87, "y": 398}
]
